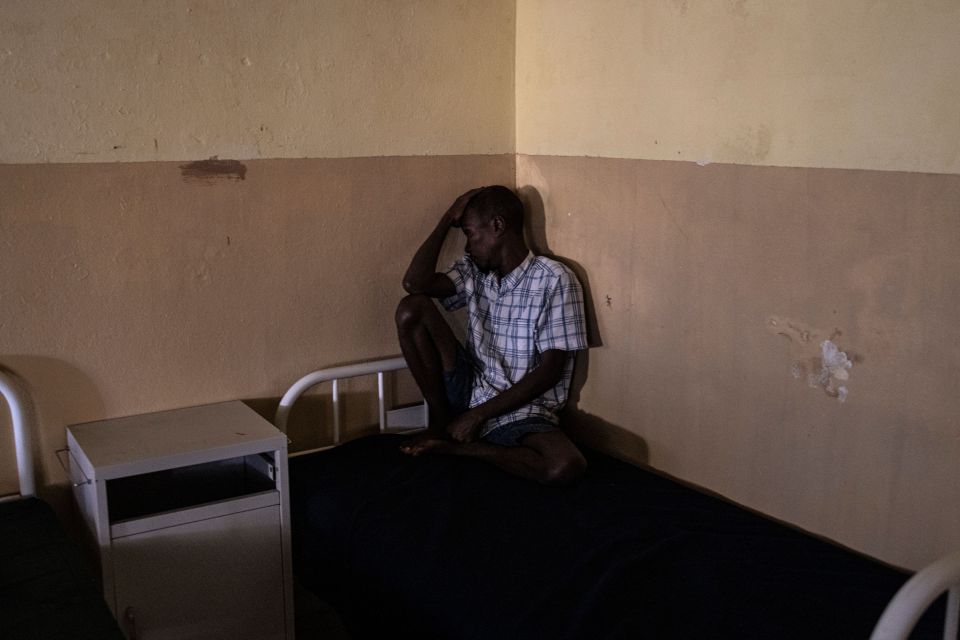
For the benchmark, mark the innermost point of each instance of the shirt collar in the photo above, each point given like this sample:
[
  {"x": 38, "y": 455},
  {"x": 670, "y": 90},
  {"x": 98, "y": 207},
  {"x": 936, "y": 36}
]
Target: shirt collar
[{"x": 513, "y": 278}]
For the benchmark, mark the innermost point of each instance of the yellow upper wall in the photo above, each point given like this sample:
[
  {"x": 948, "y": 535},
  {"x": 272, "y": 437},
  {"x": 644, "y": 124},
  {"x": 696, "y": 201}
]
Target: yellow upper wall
[
  {"x": 860, "y": 84},
  {"x": 856, "y": 84},
  {"x": 114, "y": 80}
]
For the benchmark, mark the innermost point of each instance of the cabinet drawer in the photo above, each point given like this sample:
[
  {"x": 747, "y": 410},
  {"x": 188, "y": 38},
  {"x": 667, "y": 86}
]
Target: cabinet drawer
[
  {"x": 179, "y": 488},
  {"x": 179, "y": 517}
]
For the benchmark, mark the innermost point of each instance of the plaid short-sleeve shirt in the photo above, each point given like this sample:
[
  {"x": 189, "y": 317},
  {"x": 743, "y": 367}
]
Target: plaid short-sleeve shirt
[{"x": 511, "y": 321}]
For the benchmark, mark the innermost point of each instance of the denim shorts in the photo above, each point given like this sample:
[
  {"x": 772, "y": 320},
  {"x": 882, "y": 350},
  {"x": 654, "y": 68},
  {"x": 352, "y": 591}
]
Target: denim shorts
[{"x": 459, "y": 384}]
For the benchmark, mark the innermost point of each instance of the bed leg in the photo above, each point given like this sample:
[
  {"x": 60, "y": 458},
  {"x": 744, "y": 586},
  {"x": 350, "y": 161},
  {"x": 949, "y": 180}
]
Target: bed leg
[{"x": 952, "y": 622}]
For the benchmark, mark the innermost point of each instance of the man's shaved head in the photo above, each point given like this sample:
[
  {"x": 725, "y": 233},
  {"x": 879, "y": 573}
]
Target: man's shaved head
[{"x": 498, "y": 200}]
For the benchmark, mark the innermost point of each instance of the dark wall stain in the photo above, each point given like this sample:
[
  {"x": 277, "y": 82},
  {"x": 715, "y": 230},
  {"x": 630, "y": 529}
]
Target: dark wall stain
[{"x": 213, "y": 170}]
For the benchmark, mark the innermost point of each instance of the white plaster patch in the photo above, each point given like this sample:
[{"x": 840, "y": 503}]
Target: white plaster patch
[
  {"x": 820, "y": 362},
  {"x": 835, "y": 365},
  {"x": 835, "y": 362}
]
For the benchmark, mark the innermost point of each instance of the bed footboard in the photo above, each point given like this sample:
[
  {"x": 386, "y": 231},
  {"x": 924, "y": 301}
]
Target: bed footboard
[
  {"x": 11, "y": 388},
  {"x": 917, "y": 594},
  {"x": 408, "y": 418}
]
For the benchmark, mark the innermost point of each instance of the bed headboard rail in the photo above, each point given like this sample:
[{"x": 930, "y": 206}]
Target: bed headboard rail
[
  {"x": 14, "y": 392},
  {"x": 918, "y": 593},
  {"x": 412, "y": 417}
]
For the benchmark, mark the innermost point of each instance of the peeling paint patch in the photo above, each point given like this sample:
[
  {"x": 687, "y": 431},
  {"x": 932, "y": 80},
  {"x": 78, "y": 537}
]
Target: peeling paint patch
[
  {"x": 834, "y": 367},
  {"x": 794, "y": 331},
  {"x": 817, "y": 360},
  {"x": 213, "y": 170}
]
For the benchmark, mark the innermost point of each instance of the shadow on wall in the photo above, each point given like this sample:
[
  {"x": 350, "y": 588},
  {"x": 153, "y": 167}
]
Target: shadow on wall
[
  {"x": 62, "y": 395},
  {"x": 594, "y": 432},
  {"x": 585, "y": 428},
  {"x": 536, "y": 233}
]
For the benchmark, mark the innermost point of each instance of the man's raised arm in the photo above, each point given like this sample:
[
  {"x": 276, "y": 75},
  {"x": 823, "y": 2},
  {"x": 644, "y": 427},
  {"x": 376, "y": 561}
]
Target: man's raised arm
[{"x": 421, "y": 276}]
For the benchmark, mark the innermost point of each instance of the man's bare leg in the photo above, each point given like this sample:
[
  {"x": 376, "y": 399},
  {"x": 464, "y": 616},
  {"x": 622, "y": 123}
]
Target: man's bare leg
[
  {"x": 430, "y": 348},
  {"x": 549, "y": 457}
]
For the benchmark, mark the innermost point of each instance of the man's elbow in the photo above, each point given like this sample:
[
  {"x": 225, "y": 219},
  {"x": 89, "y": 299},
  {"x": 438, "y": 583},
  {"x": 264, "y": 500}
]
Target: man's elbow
[
  {"x": 413, "y": 286},
  {"x": 416, "y": 289}
]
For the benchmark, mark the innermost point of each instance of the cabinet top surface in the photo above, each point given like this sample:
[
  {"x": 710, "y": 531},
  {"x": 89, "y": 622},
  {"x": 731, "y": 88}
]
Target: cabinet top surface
[{"x": 176, "y": 437}]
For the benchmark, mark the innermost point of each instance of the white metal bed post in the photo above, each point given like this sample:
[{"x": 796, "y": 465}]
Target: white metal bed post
[
  {"x": 918, "y": 593},
  {"x": 382, "y": 414},
  {"x": 334, "y": 375},
  {"x": 951, "y": 623},
  {"x": 11, "y": 386},
  {"x": 335, "y": 397}
]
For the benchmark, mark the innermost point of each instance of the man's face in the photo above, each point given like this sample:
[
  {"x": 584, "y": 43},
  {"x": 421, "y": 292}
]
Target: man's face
[{"x": 481, "y": 239}]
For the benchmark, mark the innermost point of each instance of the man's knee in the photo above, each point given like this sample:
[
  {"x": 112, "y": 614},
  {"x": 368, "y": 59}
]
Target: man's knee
[
  {"x": 411, "y": 310},
  {"x": 566, "y": 471}
]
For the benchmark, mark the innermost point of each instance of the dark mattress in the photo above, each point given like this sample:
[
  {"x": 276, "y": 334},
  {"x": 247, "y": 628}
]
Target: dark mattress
[
  {"x": 439, "y": 547},
  {"x": 47, "y": 592}
]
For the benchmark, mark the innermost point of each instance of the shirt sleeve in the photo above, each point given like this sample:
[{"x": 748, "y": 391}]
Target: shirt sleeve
[
  {"x": 562, "y": 324},
  {"x": 461, "y": 273}
]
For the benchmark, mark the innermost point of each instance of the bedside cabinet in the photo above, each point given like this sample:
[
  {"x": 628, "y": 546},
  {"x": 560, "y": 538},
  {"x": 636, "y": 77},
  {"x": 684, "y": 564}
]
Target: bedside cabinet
[{"x": 189, "y": 513}]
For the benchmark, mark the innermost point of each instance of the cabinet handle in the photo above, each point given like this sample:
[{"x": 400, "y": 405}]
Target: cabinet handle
[
  {"x": 66, "y": 470},
  {"x": 131, "y": 619}
]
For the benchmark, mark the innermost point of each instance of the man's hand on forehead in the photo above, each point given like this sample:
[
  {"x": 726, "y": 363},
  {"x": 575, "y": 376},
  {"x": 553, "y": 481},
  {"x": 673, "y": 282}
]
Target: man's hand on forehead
[{"x": 455, "y": 212}]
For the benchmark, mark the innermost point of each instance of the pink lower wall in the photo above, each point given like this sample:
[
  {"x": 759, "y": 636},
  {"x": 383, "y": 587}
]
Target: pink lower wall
[
  {"x": 143, "y": 286},
  {"x": 713, "y": 288},
  {"x": 135, "y": 287}
]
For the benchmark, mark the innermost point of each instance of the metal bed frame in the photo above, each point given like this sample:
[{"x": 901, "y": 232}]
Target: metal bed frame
[
  {"x": 14, "y": 392},
  {"x": 898, "y": 619},
  {"x": 918, "y": 593},
  {"x": 391, "y": 420},
  {"x": 60, "y": 596}
]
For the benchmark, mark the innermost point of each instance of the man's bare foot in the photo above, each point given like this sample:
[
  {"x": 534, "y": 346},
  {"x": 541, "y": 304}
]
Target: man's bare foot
[
  {"x": 549, "y": 457},
  {"x": 428, "y": 442}
]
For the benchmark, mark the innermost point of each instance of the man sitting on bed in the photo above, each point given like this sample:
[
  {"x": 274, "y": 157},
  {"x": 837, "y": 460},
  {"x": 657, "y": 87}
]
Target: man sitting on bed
[{"x": 498, "y": 398}]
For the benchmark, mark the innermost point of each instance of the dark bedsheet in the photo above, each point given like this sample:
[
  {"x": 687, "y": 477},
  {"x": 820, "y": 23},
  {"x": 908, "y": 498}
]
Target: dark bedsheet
[
  {"x": 437, "y": 547},
  {"x": 47, "y": 592}
]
